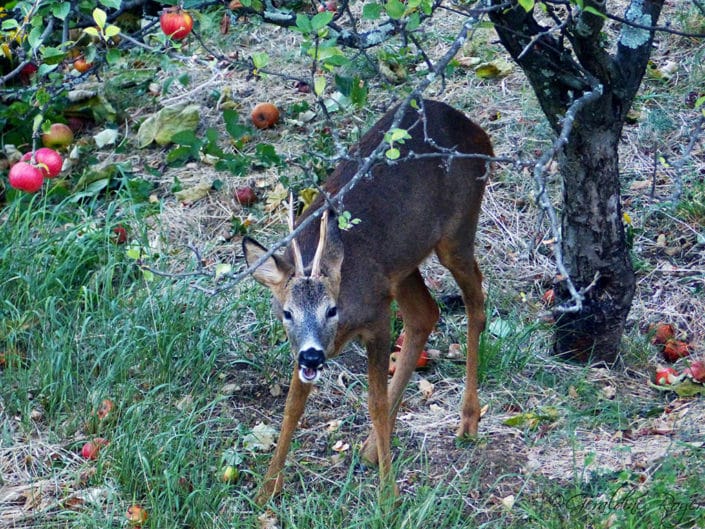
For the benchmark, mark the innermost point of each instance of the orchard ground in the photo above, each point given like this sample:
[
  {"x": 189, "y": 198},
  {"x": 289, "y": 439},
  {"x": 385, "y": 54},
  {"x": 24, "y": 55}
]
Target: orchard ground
[{"x": 199, "y": 381}]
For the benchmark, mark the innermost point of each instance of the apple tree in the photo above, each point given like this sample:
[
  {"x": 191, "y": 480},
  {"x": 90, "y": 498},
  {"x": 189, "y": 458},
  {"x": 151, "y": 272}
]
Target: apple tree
[{"x": 585, "y": 84}]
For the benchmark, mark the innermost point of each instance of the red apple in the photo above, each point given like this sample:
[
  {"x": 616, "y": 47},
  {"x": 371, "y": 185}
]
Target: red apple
[
  {"x": 136, "y": 515},
  {"x": 50, "y": 161},
  {"x": 176, "y": 23},
  {"x": 245, "y": 195},
  {"x": 675, "y": 349},
  {"x": 666, "y": 376},
  {"x": 662, "y": 333},
  {"x": 26, "y": 177},
  {"x": 696, "y": 370},
  {"x": 106, "y": 407},
  {"x": 119, "y": 234},
  {"x": 91, "y": 449},
  {"x": 59, "y": 135}
]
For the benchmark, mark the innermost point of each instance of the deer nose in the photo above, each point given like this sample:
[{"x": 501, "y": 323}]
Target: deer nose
[{"x": 311, "y": 358}]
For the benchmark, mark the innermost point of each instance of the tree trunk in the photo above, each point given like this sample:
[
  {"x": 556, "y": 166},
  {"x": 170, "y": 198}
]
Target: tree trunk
[
  {"x": 594, "y": 244},
  {"x": 562, "y": 66}
]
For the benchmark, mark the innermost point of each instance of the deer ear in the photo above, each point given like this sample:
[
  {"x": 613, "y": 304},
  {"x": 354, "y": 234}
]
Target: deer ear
[{"x": 272, "y": 272}]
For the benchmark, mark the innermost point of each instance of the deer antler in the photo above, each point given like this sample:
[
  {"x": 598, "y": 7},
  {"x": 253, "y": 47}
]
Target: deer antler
[
  {"x": 316, "y": 265},
  {"x": 298, "y": 261}
]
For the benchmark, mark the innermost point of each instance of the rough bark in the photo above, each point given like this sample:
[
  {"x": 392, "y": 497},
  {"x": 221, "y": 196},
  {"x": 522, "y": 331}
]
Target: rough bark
[{"x": 592, "y": 235}]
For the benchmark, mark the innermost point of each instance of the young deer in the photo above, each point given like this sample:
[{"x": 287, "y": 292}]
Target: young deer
[{"x": 331, "y": 286}]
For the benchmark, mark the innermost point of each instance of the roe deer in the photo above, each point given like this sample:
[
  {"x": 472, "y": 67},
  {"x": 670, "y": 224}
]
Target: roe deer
[{"x": 331, "y": 286}]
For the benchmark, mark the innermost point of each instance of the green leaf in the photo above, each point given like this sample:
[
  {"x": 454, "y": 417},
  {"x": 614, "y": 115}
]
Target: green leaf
[
  {"x": 319, "y": 85},
  {"x": 372, "y": 11},
  {"x": 260, "y": 59},
  {"x": 414, "y": 22},
  {"x": 100, "y": 17},
  {"x": 396, "y": 135},
  {"x": 393, "y": 153},
  {"x": 112, "y": 56},
  {"x": 321, "y": 20},
  {"x": 594, "y": 11},
  {"x": 9, "y": 24},
  {"x": 34, "y": 37},
  {"x": 61, "y": 10},
  {"x": 93, "y": 32},
  {"x": 111, "y": 4},
  {"x": 303, "y": 23},
  {"x": 111, "y": 31},
  {"x": 395, "y": 9},
  {"x": 233, "y": 125},
  {"x": 699, "y": 102},
  {"x": 528, "y": 5}
]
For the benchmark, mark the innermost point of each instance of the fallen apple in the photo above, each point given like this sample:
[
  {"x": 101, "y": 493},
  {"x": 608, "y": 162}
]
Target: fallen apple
[
  {"x": 91, "y": 449},
  {"x": 26, "y": 177},
  {"x": 264, "y": 115},
  {"x": 662, "y": 333},
  {"x": 136, "y": 515},
  {"x": 229, "y": 474},
  {"x": 120, "y": 234},
  {"x": 675, "y": 349},
  {"x": 666, "y": 376},
  {"x": 245, "y": 195},
  {"x": 48, "y": 160},
  {"x": 81, "y": 65},
  {"x": 696, "y": 370},
  {"x": 106, "y": 407},
  {"x": 59, "y": 135}
]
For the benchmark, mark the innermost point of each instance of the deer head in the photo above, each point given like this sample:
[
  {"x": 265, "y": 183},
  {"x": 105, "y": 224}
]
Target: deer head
[{"x": 305, "y": 298}]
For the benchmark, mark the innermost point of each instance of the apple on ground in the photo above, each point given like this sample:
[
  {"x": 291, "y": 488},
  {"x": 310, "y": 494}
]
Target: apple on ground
[
  {"x": 106, "y": 408},
  {"x": 665, "y": 376},
  {"x": 245, "y": 195},
  {"x": 136, "y": 515},
  {"x": 26, "y": 177},
  {"x": 229, "y": 474},
  {"x": 675, "y": 349},
  {"x": 91, "y": 449}
]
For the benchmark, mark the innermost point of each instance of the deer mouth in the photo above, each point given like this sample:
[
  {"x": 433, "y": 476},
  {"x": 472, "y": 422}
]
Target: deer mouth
[{"x": 310, "y": 375}]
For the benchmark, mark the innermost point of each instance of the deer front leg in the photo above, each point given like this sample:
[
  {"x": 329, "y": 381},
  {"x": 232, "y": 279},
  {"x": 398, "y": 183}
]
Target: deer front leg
[
  {"x": 378, "y": 403},
  {"x": 294, "y": 408}
]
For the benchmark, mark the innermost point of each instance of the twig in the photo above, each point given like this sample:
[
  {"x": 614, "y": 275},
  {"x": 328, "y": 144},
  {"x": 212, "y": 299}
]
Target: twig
[{"x": 544, "y": 200}]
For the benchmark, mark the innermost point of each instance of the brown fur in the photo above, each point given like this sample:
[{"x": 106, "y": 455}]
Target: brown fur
[{"x": 407, "y": 210}]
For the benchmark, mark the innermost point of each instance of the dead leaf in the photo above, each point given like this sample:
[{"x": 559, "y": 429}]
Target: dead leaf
[
  {"x": 275, "y": 198},
  {"x": 193, "y": 194},
  {"x": 455, "y": 351},
  {"x": 268, "y": 520},
  {"x": 609, "y": 392},
  {"x": 261, "y": 438},
  {"x": 341, "y": 446},
  {"x": 185, "y": 403},
  {"x": 508, "y": 502},
  {"x": 426, "y": 388},
  {"x": 661, "y": 241},
  {"x": 333, "y": 426},
  {"x": 275, "y": 390}
]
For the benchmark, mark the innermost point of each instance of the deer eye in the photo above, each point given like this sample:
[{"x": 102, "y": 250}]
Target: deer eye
[
  {"x": 332, "y": 312},
  {"x": 287, "y": 315}
]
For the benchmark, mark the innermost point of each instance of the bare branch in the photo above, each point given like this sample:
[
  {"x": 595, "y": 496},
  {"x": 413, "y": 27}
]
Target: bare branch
[{"x": 544, "y": 200}]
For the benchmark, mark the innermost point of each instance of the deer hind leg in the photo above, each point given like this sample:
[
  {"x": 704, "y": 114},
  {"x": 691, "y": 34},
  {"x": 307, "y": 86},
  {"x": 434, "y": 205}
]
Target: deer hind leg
[
  {"x": 467, "y": 274},
  {"x": 294, "y": 408},
  {"x": 420, "y": 314}
]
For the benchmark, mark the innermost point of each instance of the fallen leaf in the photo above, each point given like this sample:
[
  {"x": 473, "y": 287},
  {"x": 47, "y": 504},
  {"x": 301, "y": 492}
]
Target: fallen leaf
[
  {"x": 193, "y": 194},
  {"x": 341, "y": 446},
  {"x": 508, "y": 502},
  {"x": 455, "y": 351},
  {"x": 268, "y": 520},
  {"x": 333, "y": 426},
  {"x": 260, "y": 438},
  {"x": 426, "y": 388}
]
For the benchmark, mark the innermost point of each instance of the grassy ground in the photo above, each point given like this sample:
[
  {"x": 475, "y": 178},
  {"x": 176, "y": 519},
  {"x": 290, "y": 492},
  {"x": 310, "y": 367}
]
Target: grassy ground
[{"x": 198, "y": 382}]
